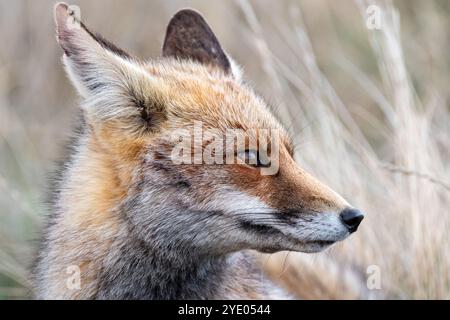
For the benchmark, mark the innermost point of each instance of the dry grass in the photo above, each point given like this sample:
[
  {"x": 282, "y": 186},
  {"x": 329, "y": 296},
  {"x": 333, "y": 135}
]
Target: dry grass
[{"x": 368, "y": 109}]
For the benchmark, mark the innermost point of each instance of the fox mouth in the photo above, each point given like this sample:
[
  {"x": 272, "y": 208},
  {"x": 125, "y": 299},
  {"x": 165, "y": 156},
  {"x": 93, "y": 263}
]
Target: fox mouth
[
  {"x": 323, "y": 243},
  {"x": 292, "y": 242},
  {"x": 314, "y": 246},
  {"x": 303, "y": 246},
  {"x": 319, "y": 244}
]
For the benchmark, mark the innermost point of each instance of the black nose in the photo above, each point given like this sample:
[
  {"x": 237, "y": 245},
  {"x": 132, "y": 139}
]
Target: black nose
[{"x": 352, "y": 218}]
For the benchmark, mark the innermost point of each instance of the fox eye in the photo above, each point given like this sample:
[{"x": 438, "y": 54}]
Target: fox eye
[{"x": 253, "y": 158}]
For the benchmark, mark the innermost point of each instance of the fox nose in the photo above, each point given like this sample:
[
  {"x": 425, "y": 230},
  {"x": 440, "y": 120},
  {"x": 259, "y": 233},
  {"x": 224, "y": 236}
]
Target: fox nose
[{"x": 352, "y": 218}]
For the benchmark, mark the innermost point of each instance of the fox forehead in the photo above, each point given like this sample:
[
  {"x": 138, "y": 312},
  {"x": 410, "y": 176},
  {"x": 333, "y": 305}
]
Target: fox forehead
[{"x": 199, "y": 92}]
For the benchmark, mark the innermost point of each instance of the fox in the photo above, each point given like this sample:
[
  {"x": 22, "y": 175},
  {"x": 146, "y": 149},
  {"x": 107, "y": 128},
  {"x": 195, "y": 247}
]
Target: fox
[{"x": 129, "y": 222}]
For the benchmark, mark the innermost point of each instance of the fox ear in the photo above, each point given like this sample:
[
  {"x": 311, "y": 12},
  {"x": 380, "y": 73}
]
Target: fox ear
[
  {"x": 114, "y": 84},
  {"x": 190, "y": 37}
]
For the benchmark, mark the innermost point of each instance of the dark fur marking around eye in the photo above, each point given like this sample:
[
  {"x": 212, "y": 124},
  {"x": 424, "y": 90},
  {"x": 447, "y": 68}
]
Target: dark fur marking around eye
[{"x": 174, "y": 178}]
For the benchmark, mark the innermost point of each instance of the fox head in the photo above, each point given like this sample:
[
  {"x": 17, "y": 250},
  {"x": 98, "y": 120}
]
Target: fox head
[{"x": 137, "y": 113}]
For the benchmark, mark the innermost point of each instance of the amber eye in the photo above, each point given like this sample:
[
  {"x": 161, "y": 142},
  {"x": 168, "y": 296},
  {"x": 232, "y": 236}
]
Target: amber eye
[{"x": 253, "y": 158}]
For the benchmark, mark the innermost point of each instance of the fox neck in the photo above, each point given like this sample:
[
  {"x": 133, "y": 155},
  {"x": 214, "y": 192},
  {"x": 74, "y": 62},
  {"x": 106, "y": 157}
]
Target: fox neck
[{"x": 135, "y": 270}]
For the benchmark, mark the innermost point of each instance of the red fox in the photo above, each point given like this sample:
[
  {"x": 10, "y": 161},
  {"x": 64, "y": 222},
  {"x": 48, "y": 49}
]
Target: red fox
[{"x": 133, "y": 223}]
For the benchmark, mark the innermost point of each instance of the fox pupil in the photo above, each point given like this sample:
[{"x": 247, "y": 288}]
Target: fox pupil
[{"x": 254, "y": 158}]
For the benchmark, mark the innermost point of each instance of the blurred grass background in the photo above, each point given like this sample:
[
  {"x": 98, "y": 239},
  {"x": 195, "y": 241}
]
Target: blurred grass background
[{"x": 369, "y": 110}]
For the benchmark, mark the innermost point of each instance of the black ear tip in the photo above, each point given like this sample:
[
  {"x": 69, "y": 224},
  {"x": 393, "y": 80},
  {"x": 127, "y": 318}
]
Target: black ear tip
[
  {"x": 188, "y": 18},
  {"x": 190, "y": 37},
  {"x": 187, "y": 13}
]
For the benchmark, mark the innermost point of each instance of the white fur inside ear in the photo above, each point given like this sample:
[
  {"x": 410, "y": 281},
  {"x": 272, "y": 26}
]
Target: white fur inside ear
[
  {"x": 236, "y": 69},
  {"x": 77, "y": 82}
]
